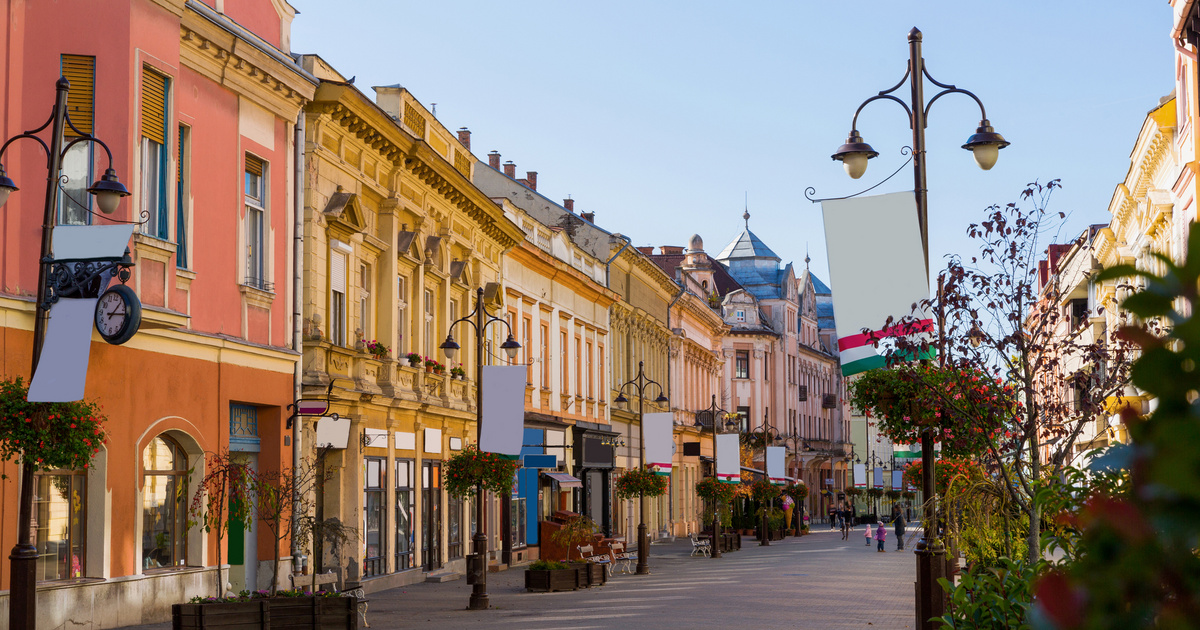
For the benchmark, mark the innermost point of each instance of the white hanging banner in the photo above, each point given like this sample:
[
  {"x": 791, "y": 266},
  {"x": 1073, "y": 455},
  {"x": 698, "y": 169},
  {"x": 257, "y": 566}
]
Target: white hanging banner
[
  {"x": 62, "y": 368},
  {"x": 775, "y": 465},
  {"x": 74, "y": 242},
  {"x": 878, "y": 477},
  {"x": 897, "y": 479},
  {"x": 877, "y": 269},
  {"x": 729, "y": 464},
  {"x": 860, "y": 475},
  {"x": 657, "y": 428},
  {"x": 503, "y": 414}
]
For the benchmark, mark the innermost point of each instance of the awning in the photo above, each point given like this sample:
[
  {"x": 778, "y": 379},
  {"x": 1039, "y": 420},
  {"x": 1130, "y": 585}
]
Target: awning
[{"x": 564, "y": 480}]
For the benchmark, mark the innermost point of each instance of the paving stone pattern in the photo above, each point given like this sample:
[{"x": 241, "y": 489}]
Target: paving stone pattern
[{"x": 817, "y": 581}]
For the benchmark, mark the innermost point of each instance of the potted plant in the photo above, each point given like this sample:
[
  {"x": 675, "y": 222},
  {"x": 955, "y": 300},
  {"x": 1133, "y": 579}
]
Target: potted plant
[
  {"x": 414, "y": 359},
  {"x": 377, "y": 349},
  {"x": 293, "y": 609},
  {"x": 471, "y": 468},
  {"x": 551, "y": 576},
  {"x": 458, "y": 373},
  {"x": 640, "y": 483}
]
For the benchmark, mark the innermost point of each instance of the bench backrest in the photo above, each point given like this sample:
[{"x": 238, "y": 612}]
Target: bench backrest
[
  {"x": 301, "y": 581},
  {"x": 585, "y": 550}
]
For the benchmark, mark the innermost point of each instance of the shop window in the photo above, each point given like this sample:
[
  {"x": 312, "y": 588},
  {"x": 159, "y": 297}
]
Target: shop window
[
  {"x": 374, "y": 517},
  {"x": 455, "y": 528},
  {"x": 164, "y": 504},
  {"x": 59, "y": 519},
  {"x": 404, "y": 505}
]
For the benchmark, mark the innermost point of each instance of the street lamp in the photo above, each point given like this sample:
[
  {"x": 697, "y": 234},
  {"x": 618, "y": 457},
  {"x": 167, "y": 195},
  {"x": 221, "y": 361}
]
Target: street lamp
[
  {"x": 985, "y": 144},
  {"x": 482, "y": 319},
  {"x": 768, "y": 435},
  {"x": 640, "y": 383},
  {"x": 719, "y": 417},
  {"x": 108, "y": 192}
]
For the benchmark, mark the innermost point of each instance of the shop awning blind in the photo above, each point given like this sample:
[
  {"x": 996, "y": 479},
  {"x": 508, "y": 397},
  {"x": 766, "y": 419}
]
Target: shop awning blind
[{"x": 564, "y": 480}]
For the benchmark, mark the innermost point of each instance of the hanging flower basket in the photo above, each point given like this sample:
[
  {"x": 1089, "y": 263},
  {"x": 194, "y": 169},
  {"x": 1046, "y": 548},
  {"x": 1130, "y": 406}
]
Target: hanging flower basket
[
  {"x": 471, "y": 467},
  {"x": 640, "y": 482},
  {"x": 948, "y": 470},
  {"x": 712, "y": 490},
  {"x": 796, "y": 491},
  {"x": 50, "y": 435},
  {"x": 764, "y": 491}
]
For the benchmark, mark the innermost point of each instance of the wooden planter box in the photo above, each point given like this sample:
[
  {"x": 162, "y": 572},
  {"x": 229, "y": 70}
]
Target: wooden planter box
[
  {"x": 551, "y": 580},
  {"x": 592, "y": 574},
  {"x": 301, "y": 613}
]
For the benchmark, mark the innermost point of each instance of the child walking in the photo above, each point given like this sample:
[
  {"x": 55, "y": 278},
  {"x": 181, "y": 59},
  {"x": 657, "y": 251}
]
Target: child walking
[
  {"x": 868, "y": 534},
  {"x": 881, "y": 536}
]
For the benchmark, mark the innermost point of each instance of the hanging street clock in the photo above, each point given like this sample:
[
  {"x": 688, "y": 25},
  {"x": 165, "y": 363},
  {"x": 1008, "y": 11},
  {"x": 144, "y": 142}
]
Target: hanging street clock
[{"x": 118, "y": 314}]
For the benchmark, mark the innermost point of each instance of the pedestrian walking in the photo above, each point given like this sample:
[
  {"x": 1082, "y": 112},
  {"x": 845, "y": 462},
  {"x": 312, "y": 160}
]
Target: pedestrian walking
[
  {"x": 868, "y": 534},
  {"x": 881, "y": 536},
  {"x": 899, "y": 522},
  {"x": 845, "y": 524}
]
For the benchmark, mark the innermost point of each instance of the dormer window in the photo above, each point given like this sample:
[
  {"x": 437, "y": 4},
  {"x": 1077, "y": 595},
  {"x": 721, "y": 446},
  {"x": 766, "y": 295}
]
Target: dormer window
[{"x": 739, "y": 316}]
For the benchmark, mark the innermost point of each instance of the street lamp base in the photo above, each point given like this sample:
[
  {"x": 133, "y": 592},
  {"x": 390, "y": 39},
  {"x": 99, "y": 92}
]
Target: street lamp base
[
  {"x": 478, "y": 602},
  {"x": 479, "y": 594},
  {"x": 643, "y": 564},
  {"x": 931, "y": 565}
]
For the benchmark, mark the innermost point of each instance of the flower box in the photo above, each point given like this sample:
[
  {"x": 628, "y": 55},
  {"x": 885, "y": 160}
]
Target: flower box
[
  {"x": 300, "y": 613},
  {"x": 590, "y": 574},
  {"x": 551, "y": 580}
]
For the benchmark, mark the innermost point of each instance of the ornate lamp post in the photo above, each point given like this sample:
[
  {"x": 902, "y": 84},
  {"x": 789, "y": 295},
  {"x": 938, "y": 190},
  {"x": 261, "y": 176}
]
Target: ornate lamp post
[
  {"x": 719, "y": 418},
  {"x": 985, "y": 144},
  {"x": 479, "y": 319},
  {"x": 768, "y": 435},
  {"x": 640, "y": 383},
  {"x": 108, "y": 192}
]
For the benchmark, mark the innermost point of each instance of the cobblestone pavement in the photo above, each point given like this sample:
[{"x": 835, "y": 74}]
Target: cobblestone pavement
[{"x": 817, "y": 581}]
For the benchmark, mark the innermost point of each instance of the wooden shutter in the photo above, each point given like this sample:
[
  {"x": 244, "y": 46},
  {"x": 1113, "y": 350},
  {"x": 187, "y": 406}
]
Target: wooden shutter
[
  {"x": 80, "y": 70},
  {"x": 337, "y": 272},
  {"x": 254, "y": 166},
  {"x": 154, "y": 106}
]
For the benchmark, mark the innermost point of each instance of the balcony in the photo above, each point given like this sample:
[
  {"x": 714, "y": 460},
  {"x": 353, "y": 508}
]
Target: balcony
[{"x": 382, "y": 381}]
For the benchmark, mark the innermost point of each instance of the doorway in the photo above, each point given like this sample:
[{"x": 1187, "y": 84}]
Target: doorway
[
  {"x": 243, "y": 543},
  {"x": 431, "y": 515}
]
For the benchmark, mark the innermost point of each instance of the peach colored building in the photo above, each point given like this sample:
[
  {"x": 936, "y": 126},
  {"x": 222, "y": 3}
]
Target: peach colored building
[{"x": 198, "y": 106}]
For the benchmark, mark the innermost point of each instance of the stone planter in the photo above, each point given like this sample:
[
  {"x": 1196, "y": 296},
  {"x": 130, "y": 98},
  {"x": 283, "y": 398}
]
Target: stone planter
[
  {"x": 551, "y": 580},
  {"x": 300, "y": 613}
]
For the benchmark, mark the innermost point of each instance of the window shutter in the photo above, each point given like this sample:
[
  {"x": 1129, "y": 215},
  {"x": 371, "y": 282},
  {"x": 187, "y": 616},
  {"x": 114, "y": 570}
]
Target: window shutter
[
  {"x": 254, "y": 166},
  {"x": 337, "y": 273},
  {"x": 154, "y": 106},
  {"x": 81, "y": 72}
]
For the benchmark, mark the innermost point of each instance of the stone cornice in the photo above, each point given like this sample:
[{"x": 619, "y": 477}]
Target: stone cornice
[
  {"x": 533, "y": 258},
  {"x": 225, "y": 58}
]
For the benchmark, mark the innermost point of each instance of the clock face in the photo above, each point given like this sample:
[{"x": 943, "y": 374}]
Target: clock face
[
  {"x": 111, "y": 314},
  {"x": 118, "y": 314}
]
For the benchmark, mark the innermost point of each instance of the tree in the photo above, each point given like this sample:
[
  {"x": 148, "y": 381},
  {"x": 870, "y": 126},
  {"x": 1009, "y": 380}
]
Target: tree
[
  {"x": 998, "y": 315},
  {"x": 222, "y": 500}
]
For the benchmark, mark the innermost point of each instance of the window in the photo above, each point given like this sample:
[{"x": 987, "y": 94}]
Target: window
[
  {"x": 566, "y": 380},
  {"x": 404, "y": 504},
  {"x": 526, "y": 349},
  {"x": 364, "y": 301},
  {"x": 744, "y": 418},
  {"x": 337, "y": 297},
  {"x": 429, "y": 306},
  {"x": 739, "y": 316},
  {"x": 374, "y": 516},
  {"x": 154, "y": 155},
  {"x": 590, "y": 370},
  {"x": 256, "y": 203},
  {"x": 181, "y": 205},
  {"x": 164, "y": 504},
  {"x": 454, "y": 531},
  {"x": 59, "y": 509},
  {"x": 401, "y": 320},
  {"x": 600, "y": 373},
  {"x": 545, "y": 358},
  {"x": 741, "y": 364},
  {"x": 578, "y": 370},
  {"x": 75, "y": 202}
]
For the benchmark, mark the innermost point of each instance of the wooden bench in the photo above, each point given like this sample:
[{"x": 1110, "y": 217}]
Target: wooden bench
[
  {"x": 300, "y": 581},
  {"x": 605, "y": 560},
  {"x": 701, "y": 547},
  {"x": 621, "y": 558}
]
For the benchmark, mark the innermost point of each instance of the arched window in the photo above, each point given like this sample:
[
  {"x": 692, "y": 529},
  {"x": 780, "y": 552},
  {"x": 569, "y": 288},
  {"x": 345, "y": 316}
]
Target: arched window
[
  {"x": 164, "y": 504},
  {"x": 59, "y": 523}
]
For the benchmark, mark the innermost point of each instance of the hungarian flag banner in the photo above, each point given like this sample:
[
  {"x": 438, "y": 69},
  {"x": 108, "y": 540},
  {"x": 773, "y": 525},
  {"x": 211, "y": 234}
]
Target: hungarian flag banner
[{"x": 877, "y": 270}]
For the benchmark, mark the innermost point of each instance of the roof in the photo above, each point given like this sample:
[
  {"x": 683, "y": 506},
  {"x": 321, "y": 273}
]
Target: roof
[
  {"x": 747, "y": 245},
  {"x": 820, "y": 288},
  {"x": 721, "y": 278}
]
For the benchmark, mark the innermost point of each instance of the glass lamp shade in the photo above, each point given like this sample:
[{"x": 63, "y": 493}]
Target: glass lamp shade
[
  {"x": 661, "y": 400},
  {"x": 449, "y": 347},
  {"x": 854, "y": 155},
  {"x": 985, "y": 144},
  {"x": 108, "y": 191},
  {"x": 510, "y": 347},
  {"x": 986, "y": 155},
  {"x": 855, "y": 164},
  {"x": 7, "y": 187}
]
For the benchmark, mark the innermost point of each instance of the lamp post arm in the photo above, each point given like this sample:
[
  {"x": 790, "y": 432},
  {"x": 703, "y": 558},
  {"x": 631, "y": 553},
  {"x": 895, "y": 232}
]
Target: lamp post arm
[
  {"x": 88, "y": 138},
  {"x": 951, "y": 89},
  {"x": 29, "y": 135},
  {"x": 907, "y": 109}
]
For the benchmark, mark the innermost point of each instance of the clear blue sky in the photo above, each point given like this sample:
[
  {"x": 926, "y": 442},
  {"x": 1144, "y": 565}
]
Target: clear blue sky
[{"x": 660, "y": 116}]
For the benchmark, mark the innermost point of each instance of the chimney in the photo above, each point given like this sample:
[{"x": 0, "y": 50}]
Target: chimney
[
  {"x": 671, "y": 250},
  {"x": 531, "y": 179},
  {"x": 590, "y": 217},
  {"x": 569, "y": 204},
  {"x": 464, "y": 136},
  {"x": 648, "y": 250},
  {"x": 510, "y": 169},
  {"x": 494, "y": 160}
]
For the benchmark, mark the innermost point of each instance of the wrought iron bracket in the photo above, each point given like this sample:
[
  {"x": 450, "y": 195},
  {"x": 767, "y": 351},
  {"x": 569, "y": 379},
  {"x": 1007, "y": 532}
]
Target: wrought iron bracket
[{"x": 83, "y": 278}]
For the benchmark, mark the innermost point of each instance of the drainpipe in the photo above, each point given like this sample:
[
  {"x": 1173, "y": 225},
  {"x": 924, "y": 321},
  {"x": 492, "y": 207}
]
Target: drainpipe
[
  {"x": 682, "y": 289},
  {"x": 608, "y": 265},
  {"x": 297, "y": 314}
]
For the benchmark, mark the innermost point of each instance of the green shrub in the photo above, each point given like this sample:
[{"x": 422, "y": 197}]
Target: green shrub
[
  {"x": 547, "y": 565},
  {"x": 998, "y": 597}
]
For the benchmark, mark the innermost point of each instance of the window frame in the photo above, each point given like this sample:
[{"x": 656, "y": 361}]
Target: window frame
[
  {"x": 255, "y": 222},
  {"x": 741, "y": 364},
  {"x": 76, "y": 526},
  {"x": 182, "y": 192},
  {"x": 152, "y": 151},
  {"x": 178, "y": 527},
  {"x": 403, "y": 560},
  {"x": 376, "y": 564}
]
